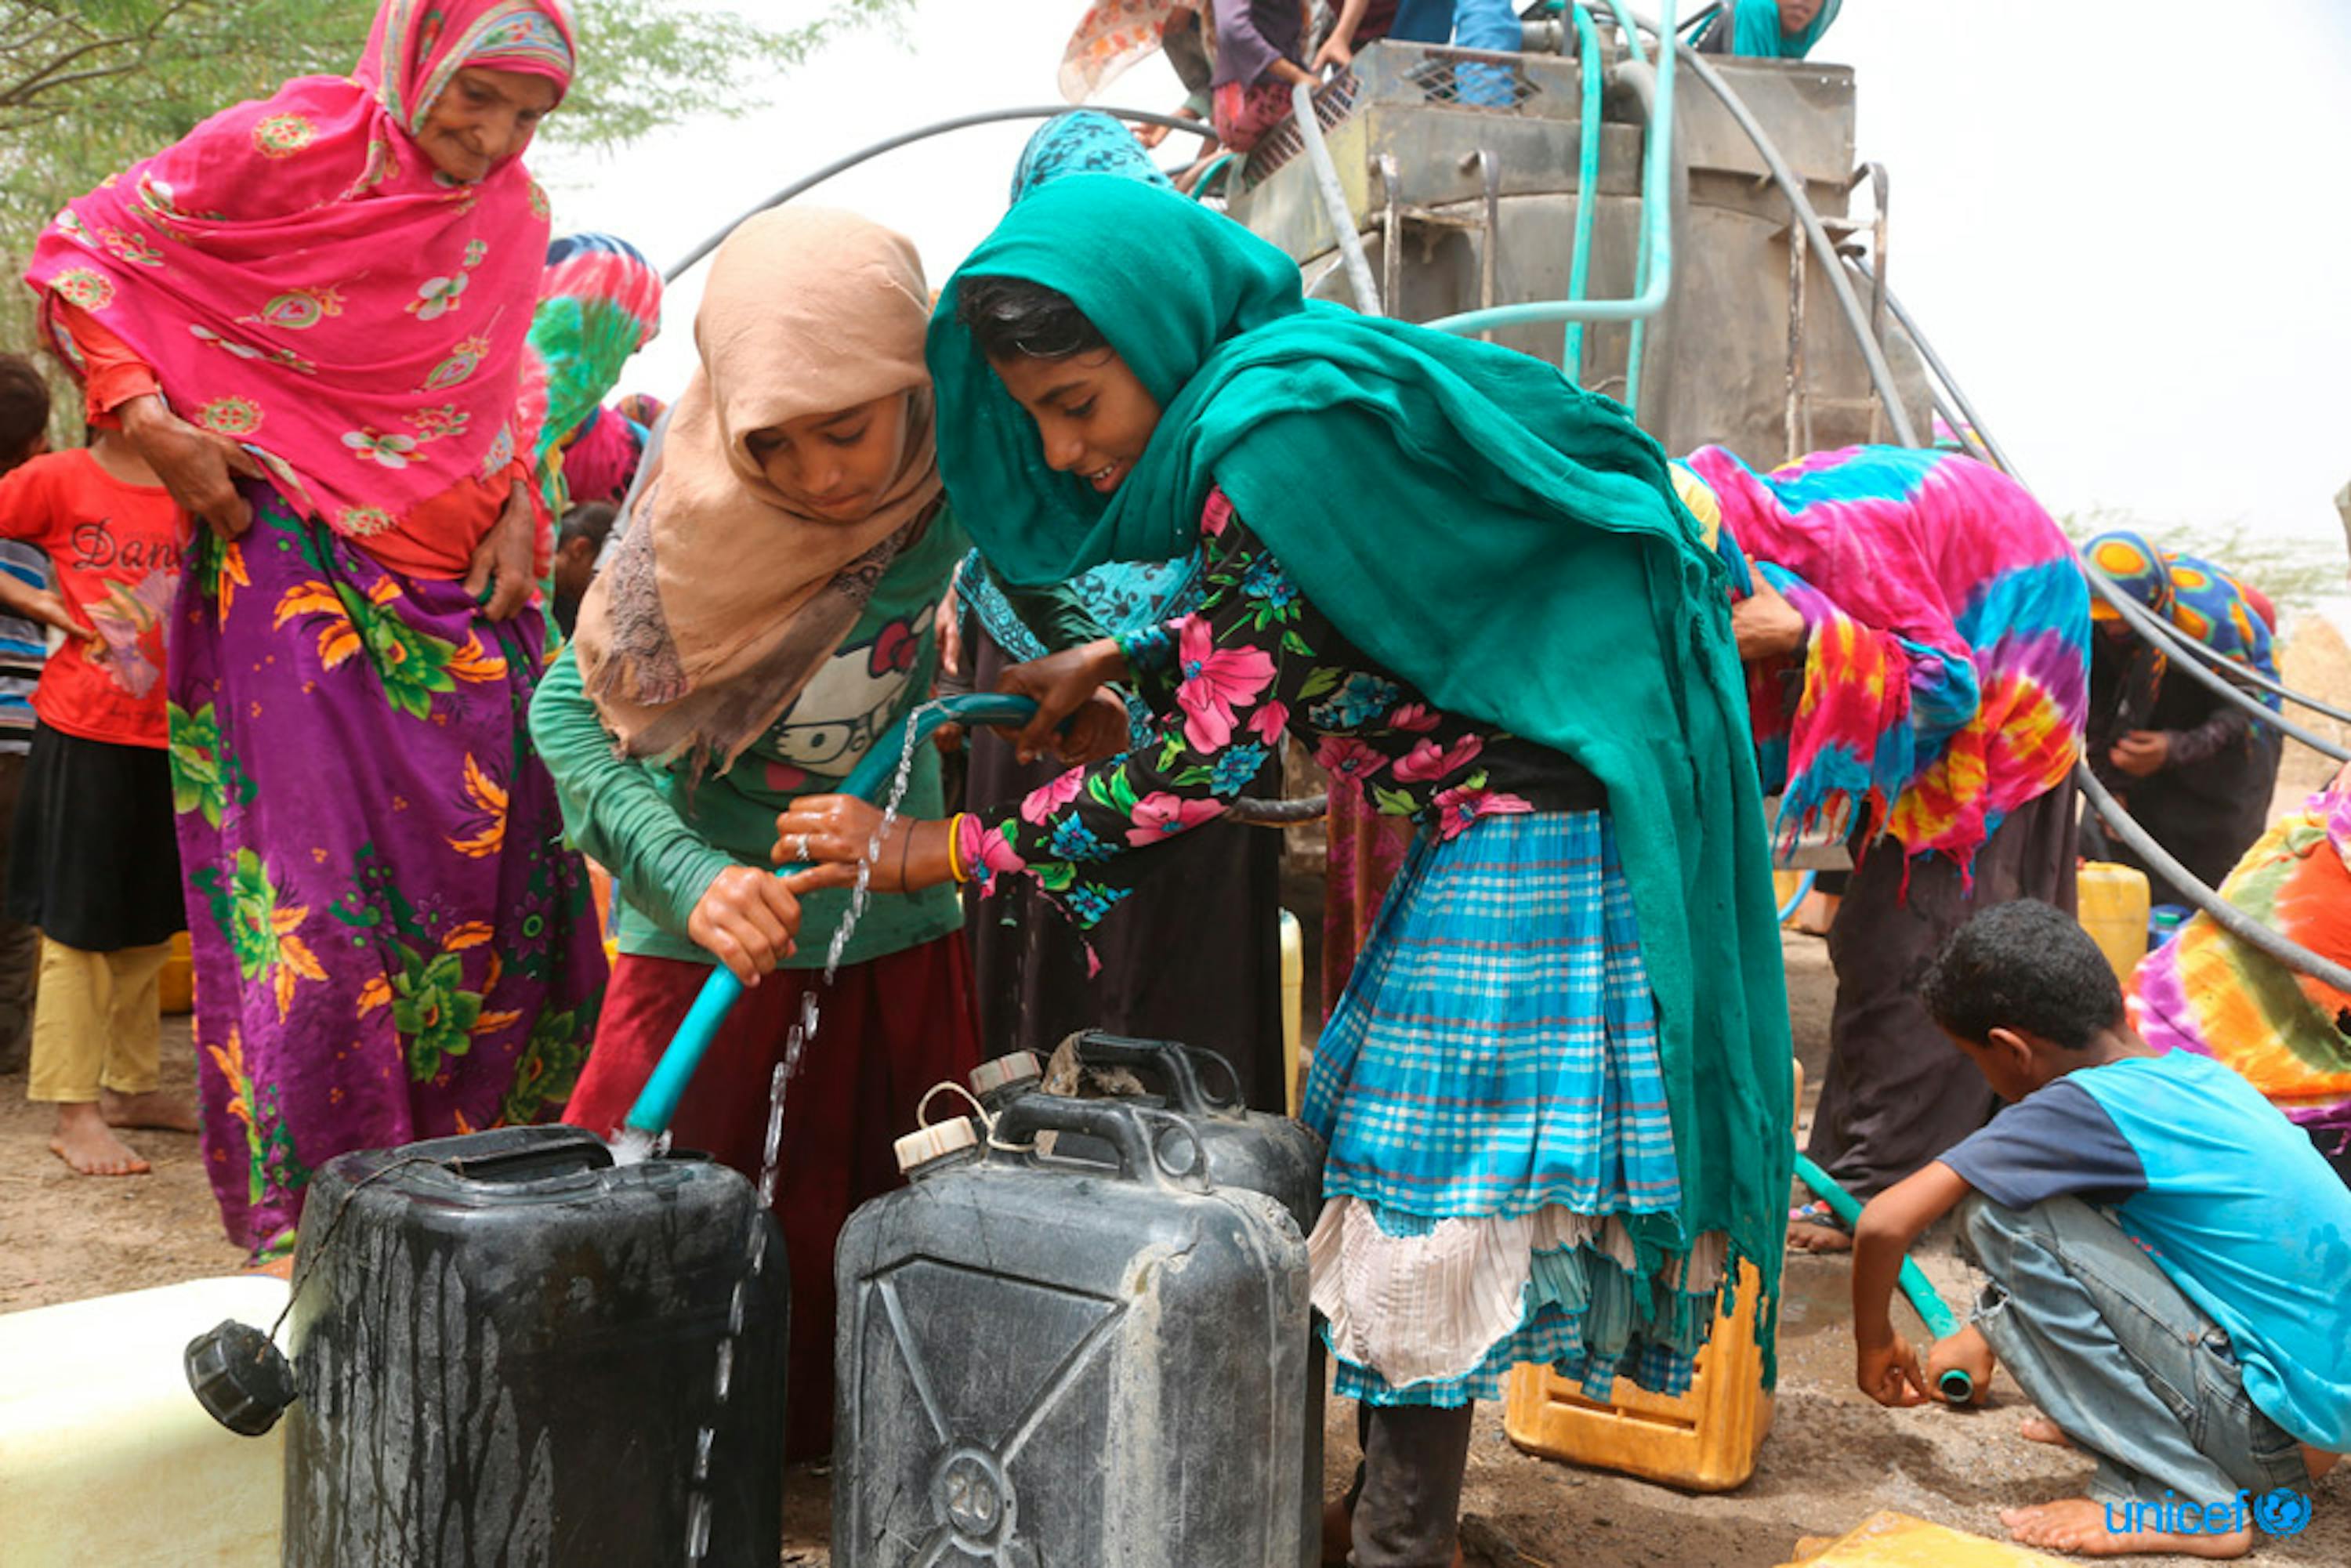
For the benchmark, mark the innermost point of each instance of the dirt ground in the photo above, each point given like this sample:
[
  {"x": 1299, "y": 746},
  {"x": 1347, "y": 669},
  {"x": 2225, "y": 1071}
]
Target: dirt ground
[{"x": 1833, "y": 1458}]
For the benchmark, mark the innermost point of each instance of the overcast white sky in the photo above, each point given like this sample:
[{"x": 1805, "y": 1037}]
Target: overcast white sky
[{"x": 2125, "y": 226}]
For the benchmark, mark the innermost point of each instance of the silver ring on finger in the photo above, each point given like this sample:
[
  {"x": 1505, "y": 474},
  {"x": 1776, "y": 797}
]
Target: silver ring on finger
[{"x": 803, "y": 854}]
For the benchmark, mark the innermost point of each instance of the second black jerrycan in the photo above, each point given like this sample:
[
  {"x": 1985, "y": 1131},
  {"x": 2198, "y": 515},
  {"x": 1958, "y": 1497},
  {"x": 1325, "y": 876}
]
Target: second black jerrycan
[
  {"x": 1256, "y": 1149},
  {"x": 1050, "y": 1362}
]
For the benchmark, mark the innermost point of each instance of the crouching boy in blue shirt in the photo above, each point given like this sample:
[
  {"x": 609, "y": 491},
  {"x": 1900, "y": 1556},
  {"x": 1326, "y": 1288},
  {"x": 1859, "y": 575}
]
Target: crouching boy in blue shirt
[{"x": 2169, "y": 1259}]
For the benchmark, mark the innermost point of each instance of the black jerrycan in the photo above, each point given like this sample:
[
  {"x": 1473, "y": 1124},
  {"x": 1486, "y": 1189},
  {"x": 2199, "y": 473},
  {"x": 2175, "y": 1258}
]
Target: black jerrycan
[
  {"x": 508, "y": 1350},
  {"x": 1047, "y": 1361},
  {"x": 1255, "y": 1149}
]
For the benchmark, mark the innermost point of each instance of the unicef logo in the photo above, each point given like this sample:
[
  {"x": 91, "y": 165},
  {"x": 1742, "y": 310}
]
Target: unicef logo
[{"x": 2281, "y": 1513}]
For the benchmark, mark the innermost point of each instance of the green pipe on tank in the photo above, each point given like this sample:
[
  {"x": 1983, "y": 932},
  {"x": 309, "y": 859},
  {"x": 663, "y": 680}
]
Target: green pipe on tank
[
  {"x": 1657, "y": 217},
  {"x": 1222, "y": 165},
  {"x": 1955, "y": 1387},
  {"x": 1587, "y": 188},
  {"x": 1631, "y": 30}
]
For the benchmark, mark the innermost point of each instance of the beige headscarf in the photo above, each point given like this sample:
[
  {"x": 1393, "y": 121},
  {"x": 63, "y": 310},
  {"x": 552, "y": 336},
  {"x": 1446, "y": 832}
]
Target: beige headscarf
[{"x": 722, "y": 600}]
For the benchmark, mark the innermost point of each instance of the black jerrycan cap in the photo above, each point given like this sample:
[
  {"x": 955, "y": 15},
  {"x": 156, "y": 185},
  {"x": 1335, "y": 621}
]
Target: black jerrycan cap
[{"x": 240, "y": 1377}]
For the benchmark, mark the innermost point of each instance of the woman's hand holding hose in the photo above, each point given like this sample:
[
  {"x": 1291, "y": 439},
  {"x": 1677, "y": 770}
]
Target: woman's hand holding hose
[
  {"x": 1061, "y": 685},
  {"x": 835, "y": 833},
  {"x": 199, "y": 467}
]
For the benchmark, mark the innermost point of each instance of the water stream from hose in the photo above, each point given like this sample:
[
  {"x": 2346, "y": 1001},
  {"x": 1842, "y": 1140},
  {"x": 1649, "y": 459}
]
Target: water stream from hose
[{"x": 629, "y": 1144}]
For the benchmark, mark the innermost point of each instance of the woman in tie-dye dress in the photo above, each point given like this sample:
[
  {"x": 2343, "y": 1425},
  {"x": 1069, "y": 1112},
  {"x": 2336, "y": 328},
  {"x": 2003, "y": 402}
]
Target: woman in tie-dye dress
[
  {"x": 1918, "y": 646},
  {"x": 308, "y": 316}
]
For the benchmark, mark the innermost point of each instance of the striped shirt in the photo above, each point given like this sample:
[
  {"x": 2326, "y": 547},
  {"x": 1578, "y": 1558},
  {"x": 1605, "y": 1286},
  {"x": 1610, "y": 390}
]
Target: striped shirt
[{"x": 24, "y": 649}]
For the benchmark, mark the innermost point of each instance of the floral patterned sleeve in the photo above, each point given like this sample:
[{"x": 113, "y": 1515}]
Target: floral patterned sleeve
[
  {"x": 1254, "y": 661},
  {"x": 1152, "y": 666}
]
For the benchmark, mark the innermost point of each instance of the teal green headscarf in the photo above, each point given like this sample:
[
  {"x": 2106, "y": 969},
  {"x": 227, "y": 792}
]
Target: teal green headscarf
[
  {"x": 1507, "y": 543},
  {"x": 1756, "y": 32}
]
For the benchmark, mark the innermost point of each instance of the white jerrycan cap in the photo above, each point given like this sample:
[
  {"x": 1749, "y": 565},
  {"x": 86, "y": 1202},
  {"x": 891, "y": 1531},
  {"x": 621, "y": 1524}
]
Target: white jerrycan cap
[
  {"x": 1002, "y": 1073},
  {"x": 937, "y": 1142}
]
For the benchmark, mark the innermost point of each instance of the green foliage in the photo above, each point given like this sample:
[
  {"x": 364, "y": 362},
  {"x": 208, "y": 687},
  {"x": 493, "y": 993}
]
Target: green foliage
[{"x": 88, "y": 87}]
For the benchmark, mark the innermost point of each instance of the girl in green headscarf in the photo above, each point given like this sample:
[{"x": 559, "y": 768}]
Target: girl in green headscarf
[
  {"x": 1768, "y": 29},
  {"x": 1557, "y": 1089}
]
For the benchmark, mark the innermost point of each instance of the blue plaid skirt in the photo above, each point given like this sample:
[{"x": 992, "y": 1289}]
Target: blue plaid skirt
[{"x": 1494, "y": 1055}]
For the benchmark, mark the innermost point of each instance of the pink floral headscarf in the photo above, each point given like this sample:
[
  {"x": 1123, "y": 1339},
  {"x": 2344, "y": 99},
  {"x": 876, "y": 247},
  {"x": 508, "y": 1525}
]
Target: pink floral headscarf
[{"x": 302, "y": 278}]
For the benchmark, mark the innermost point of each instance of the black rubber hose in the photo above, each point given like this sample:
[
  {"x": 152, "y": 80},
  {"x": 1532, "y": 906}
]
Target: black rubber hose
[{"x": 936, "y": 128}]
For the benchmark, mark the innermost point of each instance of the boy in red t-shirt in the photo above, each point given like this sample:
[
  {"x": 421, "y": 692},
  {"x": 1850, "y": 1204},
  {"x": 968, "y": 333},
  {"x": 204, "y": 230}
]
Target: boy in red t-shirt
[{"x": 94, "y": 858}]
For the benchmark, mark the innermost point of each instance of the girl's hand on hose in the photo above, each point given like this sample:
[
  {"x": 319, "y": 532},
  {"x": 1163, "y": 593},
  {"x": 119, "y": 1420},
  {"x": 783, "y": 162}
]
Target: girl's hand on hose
[
  {"x": 199, "y": 467},
  {"x": 1099, "y": 729},
  {"x": 748, "y": 919},
  {"x": 1059, "y": 685},
  {"x": 835, "y": 833},
  {"x": 502, "y": 562}
]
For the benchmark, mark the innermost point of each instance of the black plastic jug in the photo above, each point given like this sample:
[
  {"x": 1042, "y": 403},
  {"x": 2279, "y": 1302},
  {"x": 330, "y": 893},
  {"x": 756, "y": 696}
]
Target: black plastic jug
[
  {"x": 1046, "y": 1361},
  {"x": 511, "y": 1351},
  {"x": 1268, "y": 1154}
]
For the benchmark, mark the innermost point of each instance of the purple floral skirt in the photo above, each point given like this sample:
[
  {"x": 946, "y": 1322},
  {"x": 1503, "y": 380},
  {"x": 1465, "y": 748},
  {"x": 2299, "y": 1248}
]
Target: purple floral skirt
[{"x": 391, "y": 941}]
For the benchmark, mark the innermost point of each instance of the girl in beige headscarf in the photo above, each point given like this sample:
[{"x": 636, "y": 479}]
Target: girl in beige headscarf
[{"x": 765, "y": 619}]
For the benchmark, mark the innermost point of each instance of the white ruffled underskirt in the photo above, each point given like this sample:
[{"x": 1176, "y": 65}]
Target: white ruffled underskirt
[{"x": 1428, "y": 1308}]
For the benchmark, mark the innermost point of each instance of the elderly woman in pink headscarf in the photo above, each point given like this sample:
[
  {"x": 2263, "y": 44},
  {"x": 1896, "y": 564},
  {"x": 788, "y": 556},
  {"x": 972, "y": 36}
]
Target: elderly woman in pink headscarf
[{"x": 309, "y": 317}]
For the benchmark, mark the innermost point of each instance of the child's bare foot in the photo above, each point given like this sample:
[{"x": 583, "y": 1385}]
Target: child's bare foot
[
  {"x": 86, "y": 1142},
  {"x": 2081, "y": 1525},
  {"x": 2042, "y": 1429},
  {"x": 155, "y": 1108},
  {"x": 1816, "y": 1228},
  {"x": 2318, "y": 1461}
]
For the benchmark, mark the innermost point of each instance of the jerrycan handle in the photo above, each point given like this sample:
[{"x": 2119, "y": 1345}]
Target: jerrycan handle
[
  {"x": 1138, "y": 1133},
  {"x": 521, "y": 1153},
  {"x": 1175, "y": 1066}
]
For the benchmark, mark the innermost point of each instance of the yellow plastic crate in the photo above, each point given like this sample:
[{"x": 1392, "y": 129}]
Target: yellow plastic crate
[
  {"x": 1897, "y": 1540},
  {"x": 1704, "y": 1440},
  {"x": 175, "y": 983}
]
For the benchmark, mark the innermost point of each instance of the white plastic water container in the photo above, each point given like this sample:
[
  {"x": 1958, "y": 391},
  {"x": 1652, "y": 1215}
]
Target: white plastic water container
[{"x": 106, "y": 1457}]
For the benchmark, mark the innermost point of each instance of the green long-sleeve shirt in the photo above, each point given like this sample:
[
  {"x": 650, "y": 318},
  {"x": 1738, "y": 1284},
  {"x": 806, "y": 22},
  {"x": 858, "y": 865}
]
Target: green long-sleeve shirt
[{"x": 665, "y": 845}]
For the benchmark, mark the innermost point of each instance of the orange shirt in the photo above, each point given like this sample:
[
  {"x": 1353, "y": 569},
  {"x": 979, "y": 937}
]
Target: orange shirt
[{"x": 115, "y": 549}]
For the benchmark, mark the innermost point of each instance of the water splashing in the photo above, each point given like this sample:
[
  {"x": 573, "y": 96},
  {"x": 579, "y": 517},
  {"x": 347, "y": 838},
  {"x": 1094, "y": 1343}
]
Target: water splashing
[
  {"x": 863, "y": 893},
  {"x": 631, "y": 1145},
  {"x": 634, "y": 1146}
]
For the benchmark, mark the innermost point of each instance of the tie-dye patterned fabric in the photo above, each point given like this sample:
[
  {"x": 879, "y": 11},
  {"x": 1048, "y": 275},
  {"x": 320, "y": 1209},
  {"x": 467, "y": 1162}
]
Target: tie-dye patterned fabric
[
  {"x": 1946, "y": 677},
  {"x": 599, "y": 302},
  {"x": 2287, "y": 1034},
  {"x": 2201, "y": 599}
]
